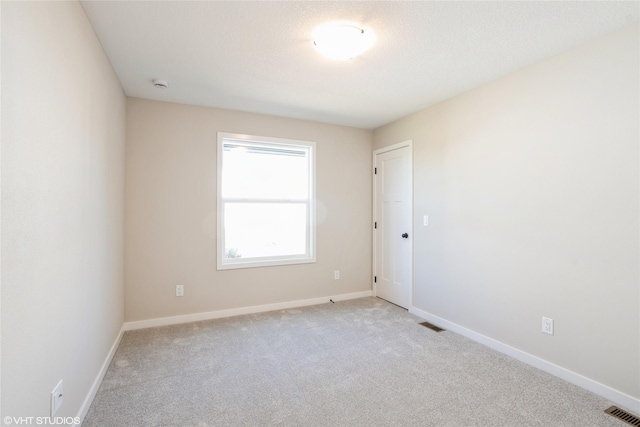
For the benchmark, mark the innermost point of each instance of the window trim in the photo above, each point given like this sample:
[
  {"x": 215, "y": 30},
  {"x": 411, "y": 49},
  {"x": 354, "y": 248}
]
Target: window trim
[{"x": 310, "y": 256}]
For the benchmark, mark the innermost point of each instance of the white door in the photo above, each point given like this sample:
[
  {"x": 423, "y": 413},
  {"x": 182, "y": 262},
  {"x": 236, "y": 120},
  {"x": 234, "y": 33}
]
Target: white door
[{"x": 393, "y": 219}]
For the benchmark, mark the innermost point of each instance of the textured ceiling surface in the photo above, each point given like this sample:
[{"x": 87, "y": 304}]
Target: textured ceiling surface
[{"x": 258, "y": 56}]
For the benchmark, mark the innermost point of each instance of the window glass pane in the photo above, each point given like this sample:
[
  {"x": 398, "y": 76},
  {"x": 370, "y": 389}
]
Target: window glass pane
[
  {"x": 264, "y": 172},
  {"x": 255, "y": 230}
]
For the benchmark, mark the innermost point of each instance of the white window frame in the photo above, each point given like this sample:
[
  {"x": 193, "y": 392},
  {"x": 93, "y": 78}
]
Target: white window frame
[{"x": 310, "y": 255}]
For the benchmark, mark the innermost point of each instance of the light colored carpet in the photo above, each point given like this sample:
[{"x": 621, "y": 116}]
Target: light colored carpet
[{"x": 362, "y": 362}]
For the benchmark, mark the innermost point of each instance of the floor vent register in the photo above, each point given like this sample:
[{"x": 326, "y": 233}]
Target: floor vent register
[
  {"x": 431, "y": 326},
  {"x": 622, "y": 415}
]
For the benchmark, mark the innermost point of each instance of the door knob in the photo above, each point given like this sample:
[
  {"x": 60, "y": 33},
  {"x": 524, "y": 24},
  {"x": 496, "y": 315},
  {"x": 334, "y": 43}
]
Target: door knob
[{"x": 405, "y": 235}]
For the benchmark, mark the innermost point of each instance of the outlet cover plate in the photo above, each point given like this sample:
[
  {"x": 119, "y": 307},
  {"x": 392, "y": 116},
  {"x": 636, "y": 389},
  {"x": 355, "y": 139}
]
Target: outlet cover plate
[
  {"x": 547, "y": 325},
  {"x": 56, "y": 398}
]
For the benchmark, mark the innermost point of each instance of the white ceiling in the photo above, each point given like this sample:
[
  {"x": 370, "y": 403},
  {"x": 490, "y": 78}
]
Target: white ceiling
[{"x": 258, "y": 56}]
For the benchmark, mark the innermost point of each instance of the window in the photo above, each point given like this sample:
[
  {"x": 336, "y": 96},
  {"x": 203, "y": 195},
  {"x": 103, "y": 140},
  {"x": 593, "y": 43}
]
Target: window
[{"x": 266, "y": 195}]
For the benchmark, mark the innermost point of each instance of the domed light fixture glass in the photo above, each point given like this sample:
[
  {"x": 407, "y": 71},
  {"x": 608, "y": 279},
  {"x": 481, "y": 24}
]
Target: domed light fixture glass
[{"x": 342, "y": 40}]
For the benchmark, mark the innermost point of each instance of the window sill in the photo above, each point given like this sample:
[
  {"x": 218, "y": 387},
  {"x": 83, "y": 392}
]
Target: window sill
[{"x": 271, "y": 263}]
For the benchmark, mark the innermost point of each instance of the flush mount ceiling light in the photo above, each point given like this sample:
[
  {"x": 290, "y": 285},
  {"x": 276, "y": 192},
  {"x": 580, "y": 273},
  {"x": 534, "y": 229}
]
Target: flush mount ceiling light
[{"x": 342, "y": 40}]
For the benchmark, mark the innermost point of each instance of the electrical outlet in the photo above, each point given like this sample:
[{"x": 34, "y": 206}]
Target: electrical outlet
[
  {"x": 56, "y": 398},
  {"x": 547, "y": 325},
  {"x": 179, "y": 290},
  {"x": 336, "y": 274}
]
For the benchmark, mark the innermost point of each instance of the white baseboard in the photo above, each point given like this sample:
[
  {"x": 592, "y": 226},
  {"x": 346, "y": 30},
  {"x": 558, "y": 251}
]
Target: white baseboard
[
  {"x": 187, "y": 318},
  {"x": 96, "y": 383},
  {"x": 619, "y": 398}
]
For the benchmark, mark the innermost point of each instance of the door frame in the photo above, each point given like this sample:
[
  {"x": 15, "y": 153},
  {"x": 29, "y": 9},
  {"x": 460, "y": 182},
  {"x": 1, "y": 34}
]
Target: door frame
[{"x": 407, "y": 143}]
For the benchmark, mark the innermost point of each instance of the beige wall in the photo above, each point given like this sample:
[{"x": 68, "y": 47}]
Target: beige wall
[
  {"x": 170, "y": 224},
  {"x": 63, "y": 129},
  {"x": 531, "y": 187}
]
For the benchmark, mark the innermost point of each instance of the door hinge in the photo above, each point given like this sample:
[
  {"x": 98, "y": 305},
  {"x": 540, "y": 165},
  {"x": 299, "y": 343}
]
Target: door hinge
[
  {"x": 375, "y": 171},
  {"x": 375, "y": 279},
  {"x": 375, "y": 225}
]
